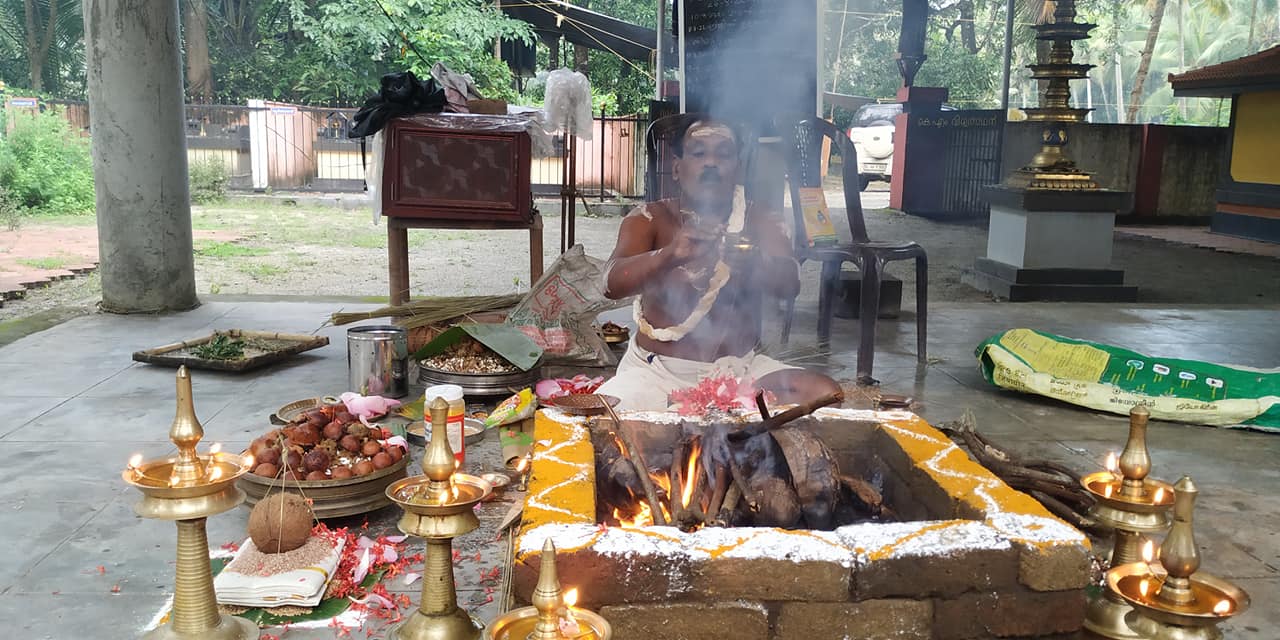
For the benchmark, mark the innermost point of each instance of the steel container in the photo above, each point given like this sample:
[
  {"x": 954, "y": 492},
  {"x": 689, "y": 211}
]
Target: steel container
[{"x": 377, "y": 361}]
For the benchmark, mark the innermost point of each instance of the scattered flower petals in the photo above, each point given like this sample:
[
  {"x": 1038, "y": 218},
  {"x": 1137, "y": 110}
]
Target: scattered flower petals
[
  {"x": 362, "y": 567},
  {"x": 375, "y": 599},
  {"x": 411, "y": 577},
  {"x": 395, "y": 539}
]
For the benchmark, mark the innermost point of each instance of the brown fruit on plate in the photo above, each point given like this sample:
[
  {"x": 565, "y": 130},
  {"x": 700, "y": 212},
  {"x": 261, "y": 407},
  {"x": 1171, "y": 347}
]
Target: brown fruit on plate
[
  {"x": 382, "y": 460},
  {"x": 270, "y": 455},
  {"x": 396, "y": 453},
  {"x": 315, "y": 460},
  {"x": 350, "y": 443},
  {"x": 344, "y": 417},
  {"x": 293, "y": 460},
  {"x": 266, "y": 470},
  {"x": 293, "y": 474},
  {"x": 317, "y": 475},
  {"x": 370, "y": 448},
  {"x": 334, "y": 430},
  {"x": 281, "y": 522},
  {"x": 341, "y": 472},
  {"x": 363, "y": 468}
]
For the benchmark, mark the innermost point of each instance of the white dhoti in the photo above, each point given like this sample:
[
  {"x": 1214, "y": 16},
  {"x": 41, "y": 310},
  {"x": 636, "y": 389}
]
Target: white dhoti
[{"x": 645, "y": 379}]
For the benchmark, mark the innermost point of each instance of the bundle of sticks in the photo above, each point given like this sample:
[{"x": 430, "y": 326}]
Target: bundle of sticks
[
  {"x": 730, "y": 474},
  {"x": 1053, "y": 485}
]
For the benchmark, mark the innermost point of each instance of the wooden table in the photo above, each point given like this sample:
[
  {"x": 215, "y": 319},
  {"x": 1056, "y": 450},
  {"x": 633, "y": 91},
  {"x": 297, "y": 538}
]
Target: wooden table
[{"x": 398, "y": 246}]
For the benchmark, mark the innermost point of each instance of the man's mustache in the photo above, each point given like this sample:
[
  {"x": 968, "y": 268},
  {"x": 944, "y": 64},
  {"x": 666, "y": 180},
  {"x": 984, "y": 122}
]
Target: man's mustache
[{"x": 710, "y": 176}]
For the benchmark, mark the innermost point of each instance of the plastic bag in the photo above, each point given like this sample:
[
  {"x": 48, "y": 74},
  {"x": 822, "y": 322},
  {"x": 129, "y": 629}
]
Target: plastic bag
[
  {"x": 559, "y": 311},
  {"x": 1109, "y": 378},
  {"x": 513, "y": 409},
  {"x": 568, "y": 102}
]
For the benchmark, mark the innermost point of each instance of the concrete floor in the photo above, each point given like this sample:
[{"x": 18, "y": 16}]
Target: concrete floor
[{"x": 79, "y": 408}]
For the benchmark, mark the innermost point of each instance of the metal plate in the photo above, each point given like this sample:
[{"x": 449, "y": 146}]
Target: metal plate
[
  {"x": 288, "y": 412},
  {"x": 331, "y": 498},
  {"x": 490, "y": 384},
  {"x": 583, "y": 404},
  {"x": 472, "y": 431}
]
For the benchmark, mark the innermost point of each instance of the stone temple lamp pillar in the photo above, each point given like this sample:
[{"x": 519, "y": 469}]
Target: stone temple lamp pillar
[{"x": 1052, "y": 226}]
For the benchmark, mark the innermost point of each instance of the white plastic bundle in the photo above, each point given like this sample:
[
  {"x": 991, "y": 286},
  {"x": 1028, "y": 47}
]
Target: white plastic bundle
[{"x": 568, "y": 102}]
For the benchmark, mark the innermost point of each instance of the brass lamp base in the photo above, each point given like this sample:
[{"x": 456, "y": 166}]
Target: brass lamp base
[
  {"x": 228, "y": 628},
  {"x": 450, "y": 626},
  {"x": 1106, "y": 616},
  {"x": 1149, "y": 629}
]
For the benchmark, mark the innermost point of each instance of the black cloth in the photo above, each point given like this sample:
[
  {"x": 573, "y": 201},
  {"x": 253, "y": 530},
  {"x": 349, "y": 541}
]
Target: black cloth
[{"x": 402, "y": 94}]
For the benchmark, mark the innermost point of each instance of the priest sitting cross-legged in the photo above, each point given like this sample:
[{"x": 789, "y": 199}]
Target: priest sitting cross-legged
[{"x": 701, "y": 265}]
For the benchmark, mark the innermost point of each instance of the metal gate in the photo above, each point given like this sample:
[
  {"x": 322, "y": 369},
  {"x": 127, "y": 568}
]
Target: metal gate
[
  {"x": 950, "y": 157},
  {"x": 973, "y": 161}
]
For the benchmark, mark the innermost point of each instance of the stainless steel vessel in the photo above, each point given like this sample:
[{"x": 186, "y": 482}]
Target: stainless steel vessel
[{"x": 377, "y": 361}]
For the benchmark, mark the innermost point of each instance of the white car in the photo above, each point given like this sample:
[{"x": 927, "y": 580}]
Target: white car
[{"x": 872, "y": 134}]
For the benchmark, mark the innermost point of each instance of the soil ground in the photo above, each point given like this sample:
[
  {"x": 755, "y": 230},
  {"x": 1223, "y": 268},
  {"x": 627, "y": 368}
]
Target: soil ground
[{"x": 252, "y": 246}]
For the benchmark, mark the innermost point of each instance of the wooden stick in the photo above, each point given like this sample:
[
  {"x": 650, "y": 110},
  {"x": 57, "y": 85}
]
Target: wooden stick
[
  {"x": 636, "y": 457},
  {"x": 798, "y": 411},
  {"x": 760, "y": 404},
  {"x": 718, "y": 491},
  {"x": 677, "y": 481},
  {"x": 731, "y": 497}
]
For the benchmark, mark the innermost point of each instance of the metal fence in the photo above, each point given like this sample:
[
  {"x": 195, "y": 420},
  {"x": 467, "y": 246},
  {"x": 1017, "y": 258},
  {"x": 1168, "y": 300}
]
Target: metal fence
[
  {"x": 609, "y": 165},
  {"x": 284, "y": 146}
]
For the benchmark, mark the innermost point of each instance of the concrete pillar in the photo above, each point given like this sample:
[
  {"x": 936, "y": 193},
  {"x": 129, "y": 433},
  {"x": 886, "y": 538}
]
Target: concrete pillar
[{"x": 139, "y": 155}]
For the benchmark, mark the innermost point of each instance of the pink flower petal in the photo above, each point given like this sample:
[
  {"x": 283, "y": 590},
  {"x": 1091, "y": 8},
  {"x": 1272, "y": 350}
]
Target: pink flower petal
[
  {"x": 371, "y": 600},
  {"x": 364, "y": 542},
  {"x": 362, "y": 567},
  {"x": 411, "y": 577},
  {"x": 396, "y": 539},
  {"x": 389, "y": 554}
]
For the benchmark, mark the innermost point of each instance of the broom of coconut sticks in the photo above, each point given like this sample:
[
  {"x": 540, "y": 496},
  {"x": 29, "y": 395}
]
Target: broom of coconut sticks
[{"x": 433, "y": 310}]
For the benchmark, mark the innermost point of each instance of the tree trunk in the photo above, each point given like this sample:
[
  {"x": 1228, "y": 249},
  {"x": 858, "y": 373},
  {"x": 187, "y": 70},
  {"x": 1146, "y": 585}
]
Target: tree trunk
[
  {"x": 1144, "y": 64},
  {"x": 968, "y": 35},
  {"x": 195, "y": 22},
  {"x": 1253, "y": 16},
  {"x": 38, "y": 51}
]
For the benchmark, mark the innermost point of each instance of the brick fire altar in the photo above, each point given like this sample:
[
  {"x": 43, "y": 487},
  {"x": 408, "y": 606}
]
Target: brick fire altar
[{"x": 971, "y": 558}]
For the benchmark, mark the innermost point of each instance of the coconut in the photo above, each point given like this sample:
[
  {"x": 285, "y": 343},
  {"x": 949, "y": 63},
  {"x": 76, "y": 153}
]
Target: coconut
[{"x": 281, "y": 522}]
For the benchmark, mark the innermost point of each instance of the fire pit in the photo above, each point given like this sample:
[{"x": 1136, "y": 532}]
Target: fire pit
[{"x": 964, "y": 557}]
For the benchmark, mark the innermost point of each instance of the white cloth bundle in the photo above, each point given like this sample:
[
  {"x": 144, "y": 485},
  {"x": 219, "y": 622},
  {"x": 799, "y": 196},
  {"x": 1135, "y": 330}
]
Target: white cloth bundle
[{"x": 301, "y": 586}]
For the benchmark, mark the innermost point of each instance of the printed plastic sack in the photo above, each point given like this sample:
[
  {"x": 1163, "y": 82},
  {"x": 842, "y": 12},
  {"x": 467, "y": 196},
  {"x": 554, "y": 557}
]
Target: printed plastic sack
[
  {"x": 1112, "y": 379},
  {"x": 558, "y": 313}
]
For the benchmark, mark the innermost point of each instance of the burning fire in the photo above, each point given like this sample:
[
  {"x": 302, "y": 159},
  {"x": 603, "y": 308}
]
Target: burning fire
[
  {"x": 571, "y": 597},
  {"x": 642, "y": 518},
  {"x": 215, "y": 473},
  {"x": 215, "y": 448},
  {"x": 1223, "y": 607},
  {"x": 248, "y": 460},
  {"x": 1144, "y": 587},
  {"x": 1106, "y": 491},
  {"x": 687, "y": 494},
  {"x": 1148, "y": 551},
  {"x": 1111, "y": 462},
  {"x": 522, "y": 465},
  {"x": 135, "y": 460},
  {"x": 1159, "y": 497}
]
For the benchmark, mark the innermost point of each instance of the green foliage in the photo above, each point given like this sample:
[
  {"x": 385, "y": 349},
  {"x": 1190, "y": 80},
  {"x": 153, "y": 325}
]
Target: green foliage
[
  {"x": 11, "y": 211},
  {"x": 46, "y": 166},
  {"x": 46, "y": 263},
  {"x": 207, "y": 180},
  {"x": 214, "y": 249}
]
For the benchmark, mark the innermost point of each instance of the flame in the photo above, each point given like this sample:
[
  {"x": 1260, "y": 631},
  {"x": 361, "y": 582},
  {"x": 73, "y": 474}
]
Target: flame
[
  {"x": 661, "y": 481},
  {"x": 455, "y": 492},
  {"x": 522, "y": 465},
  {"x": 248, "y": 460},
  {"x": 215, "y": 473},
  {"x": 1144, "y": 587},
  {"x": 456, "y": 463},
  {"x": 1223, "y": 607},
  {"x": 621, "y": 447},
  {"x": 1148, "y": 551},
  {"x": 1111, "y": 462},
  {"x": 215, "y": 448},
  {"x": 1159, "y": 497},
  {"x": 642, "y": 518},
  {"x": 571, "y": 597},
  {"x": 1108, "y": 490},
  {"x": 689, "y": 478},
  {"x": 135, "y": 460}
]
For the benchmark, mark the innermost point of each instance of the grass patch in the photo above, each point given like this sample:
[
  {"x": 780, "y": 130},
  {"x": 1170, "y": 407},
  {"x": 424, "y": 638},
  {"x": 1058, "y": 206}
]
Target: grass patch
[
  {"x": 215, "y": 249},
  {"x": 43, "y": 263},
  {"x": 259, "y": 271},
  {"x": 370, "y": 241}
]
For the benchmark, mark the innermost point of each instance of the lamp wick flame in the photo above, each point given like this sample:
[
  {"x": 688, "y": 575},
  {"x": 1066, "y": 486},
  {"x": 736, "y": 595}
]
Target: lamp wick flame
[
  {"x": 1223, "y": 607},
  {"x": 571, "y": 597},
  {"x": 215, "y": 448},
  {"x": 1159, "y": 496},
  {"x": 135, "y": 460},
  {"x": 1111, "y": 462},
  {"x": 1148, "y": 551},
  {"x": 1144, "y": 587}
]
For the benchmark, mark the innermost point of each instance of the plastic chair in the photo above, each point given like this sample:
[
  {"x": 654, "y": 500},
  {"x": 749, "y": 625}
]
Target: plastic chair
[{"x": 869, "y": 256}]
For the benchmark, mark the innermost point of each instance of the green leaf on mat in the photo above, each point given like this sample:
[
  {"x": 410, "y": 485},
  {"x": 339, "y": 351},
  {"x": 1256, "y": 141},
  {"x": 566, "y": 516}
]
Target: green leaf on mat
[{"x": 503, "y": 339}]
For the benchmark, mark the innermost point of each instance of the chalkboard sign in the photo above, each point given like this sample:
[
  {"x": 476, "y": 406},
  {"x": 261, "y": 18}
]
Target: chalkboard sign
[{"x": 751, "y": 60}]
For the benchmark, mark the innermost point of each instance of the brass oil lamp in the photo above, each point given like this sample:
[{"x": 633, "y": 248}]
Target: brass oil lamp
[
  {"x": 1131, "y": 504},
  {"x": 438, "y": 507},
  {"x": 188, "y": 489},
  {"x": 552, "y": 616},
  {"x": 1174, "y": 600}
]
